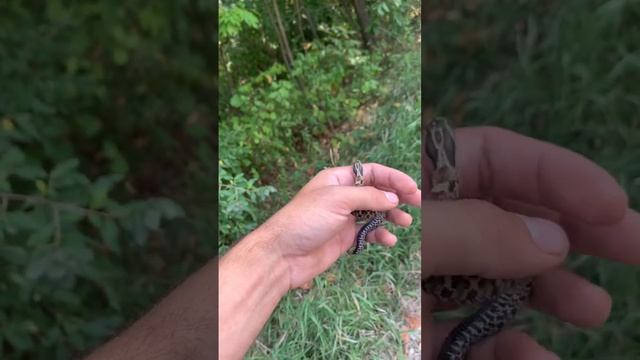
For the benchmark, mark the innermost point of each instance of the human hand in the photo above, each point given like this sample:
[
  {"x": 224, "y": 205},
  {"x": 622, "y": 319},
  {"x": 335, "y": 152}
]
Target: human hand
[
  {"x": 568, "y": 203},
  {"x": 316, "y": 226}
]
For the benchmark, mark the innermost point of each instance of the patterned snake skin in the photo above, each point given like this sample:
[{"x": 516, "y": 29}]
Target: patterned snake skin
[
  {"x": 499, "y": 299},
  {"x": 372, "y": 219}
]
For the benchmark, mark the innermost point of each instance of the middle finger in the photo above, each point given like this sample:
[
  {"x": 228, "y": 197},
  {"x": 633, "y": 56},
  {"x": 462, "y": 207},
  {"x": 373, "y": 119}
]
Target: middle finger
[{"x": 618, "y": 242}]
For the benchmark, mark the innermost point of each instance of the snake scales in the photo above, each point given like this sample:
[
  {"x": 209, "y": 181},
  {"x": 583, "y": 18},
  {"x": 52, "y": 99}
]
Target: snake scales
[
  {"x": 499, "y": 300},
  {"x": 371, "y": 219}
]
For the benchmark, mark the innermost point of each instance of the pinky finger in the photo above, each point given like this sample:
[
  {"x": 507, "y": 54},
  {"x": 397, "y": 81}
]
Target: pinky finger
[
  {"x": 512, "y": 344},
  {"x": 382, "y": 236}
]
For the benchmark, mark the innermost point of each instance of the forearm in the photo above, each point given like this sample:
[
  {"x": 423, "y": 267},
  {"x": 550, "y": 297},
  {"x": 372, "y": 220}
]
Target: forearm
[
  {"x": 181, "y": 326},
  {"x": 253, "y": 279}
]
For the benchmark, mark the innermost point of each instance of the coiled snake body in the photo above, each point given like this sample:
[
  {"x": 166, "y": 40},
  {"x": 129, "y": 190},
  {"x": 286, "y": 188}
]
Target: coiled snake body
[
  {"x": 371, "y": 219},
  {"x": 499, "y": 299}
]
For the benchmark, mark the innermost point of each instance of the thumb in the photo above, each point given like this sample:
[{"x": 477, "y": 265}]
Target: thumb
[
  {"x": 473, "y": 237},
  {"x": 365, "y": 198}
]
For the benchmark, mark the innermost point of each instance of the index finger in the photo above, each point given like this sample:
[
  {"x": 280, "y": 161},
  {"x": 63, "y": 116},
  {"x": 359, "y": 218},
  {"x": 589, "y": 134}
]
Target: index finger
[
  {"x": 377, "y": 175},
  {"x": 499, "y": 164}
]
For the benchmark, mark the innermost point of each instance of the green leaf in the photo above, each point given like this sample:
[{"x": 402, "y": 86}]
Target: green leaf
[
  {"x": 5, "y": 186},
  {"x": 18, "y": 336},
  {"x": 152, "y": 219},
  {"x": 119, "y": 163},
  {"x": 11, "y": 157},
  {"x": 169, "y": 209},
  {"x": 41, "y": 186},
  {"x": 41, "y": 236},
  {"x": 236, "y": 101},
  {"x": 15, "y": 221},
  {"x": 231, "y": 19},
  {"x": 30, "y": 172},
  {"x": 109, "y": 233},
  {"x": 64, "y": 168},
  {"x": 13, "y": 254},
  {"x": 100, "y": 189}
]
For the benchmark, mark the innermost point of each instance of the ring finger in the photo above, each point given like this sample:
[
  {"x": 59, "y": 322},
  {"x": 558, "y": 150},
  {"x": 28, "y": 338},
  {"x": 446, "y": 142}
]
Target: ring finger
[{"x": 566, "y": 296}]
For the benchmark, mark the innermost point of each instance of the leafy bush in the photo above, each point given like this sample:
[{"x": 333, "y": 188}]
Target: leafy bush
[
  {"x": 277, "y": 114},
  {"x": 239, "y": 200},
  {"x": 105, "y": 114},
  {"x": 61, "y": 240}
]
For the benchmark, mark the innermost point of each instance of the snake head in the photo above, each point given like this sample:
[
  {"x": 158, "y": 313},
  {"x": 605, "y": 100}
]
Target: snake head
[
  {"x": 358, "y": 171},
  {"x": 440, "y": 139}
]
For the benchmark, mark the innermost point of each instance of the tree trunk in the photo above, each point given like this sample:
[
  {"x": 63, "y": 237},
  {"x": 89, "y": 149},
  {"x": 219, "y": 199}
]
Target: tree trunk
[
  {"x": 283, "y": 33},
  {"x": 299, "y": 21},
  {"x": 281, "y": 40},
  {"x": 365, "y": 24},
  {"x": 287, "y": 55}
]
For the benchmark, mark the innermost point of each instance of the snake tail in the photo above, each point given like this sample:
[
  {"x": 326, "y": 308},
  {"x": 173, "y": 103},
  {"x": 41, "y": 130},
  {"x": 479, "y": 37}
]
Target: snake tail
[
  {"x": 371, "y": 225},
  {"x": 488, "y": 320}
]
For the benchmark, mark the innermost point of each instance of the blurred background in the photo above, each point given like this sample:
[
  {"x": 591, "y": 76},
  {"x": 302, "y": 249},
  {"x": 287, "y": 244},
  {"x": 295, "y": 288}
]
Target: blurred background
[
  {"x": 306, "y": 85},
  {"x": 567, "y": 72},
  {"x": 106, "y": 165}
]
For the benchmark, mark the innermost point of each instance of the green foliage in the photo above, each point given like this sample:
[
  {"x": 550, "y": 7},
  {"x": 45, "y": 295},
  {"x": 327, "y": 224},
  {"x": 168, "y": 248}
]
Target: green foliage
[
  {"x": 392, "y": 18},
  {"x": 278, "y": 115},
  {"x": 61, "y": 238},
  {"x": 104, "y": 116},
  {"x": 231, "y": 20},
  {"x": 239, "y": 199}
]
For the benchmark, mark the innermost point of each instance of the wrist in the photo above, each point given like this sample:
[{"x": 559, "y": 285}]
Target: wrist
[
  {"x": 259, "y": 252},
  {"x": 253, "y": 277}
]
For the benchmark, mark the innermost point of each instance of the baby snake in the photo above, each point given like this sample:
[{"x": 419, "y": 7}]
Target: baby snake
[{"x": 372, "y": 219}]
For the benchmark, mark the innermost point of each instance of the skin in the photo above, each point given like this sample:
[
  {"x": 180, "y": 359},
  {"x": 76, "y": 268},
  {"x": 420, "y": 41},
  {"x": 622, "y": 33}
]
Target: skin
[
  {"x": 299, "y": 242},
  {"x": 570, "y": 202},
  {"x": 179, "y": 327}
]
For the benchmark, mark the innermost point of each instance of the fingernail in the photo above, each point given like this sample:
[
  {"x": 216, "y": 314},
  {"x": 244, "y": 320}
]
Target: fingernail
[
  {"x": 547, "y": 235},
  {"x": 391, "y": 197}
]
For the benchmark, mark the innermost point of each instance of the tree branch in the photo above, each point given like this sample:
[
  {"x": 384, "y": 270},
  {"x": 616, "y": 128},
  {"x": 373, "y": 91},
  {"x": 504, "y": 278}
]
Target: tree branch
[{"x": 56, "y": 205}]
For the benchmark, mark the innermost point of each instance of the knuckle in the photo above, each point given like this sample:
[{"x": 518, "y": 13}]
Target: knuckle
[{"x": 495, "y": 224}]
